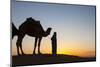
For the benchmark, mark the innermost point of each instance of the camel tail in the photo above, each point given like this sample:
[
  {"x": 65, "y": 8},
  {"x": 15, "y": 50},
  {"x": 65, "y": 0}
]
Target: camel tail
[{"x": 14, "y": 30}]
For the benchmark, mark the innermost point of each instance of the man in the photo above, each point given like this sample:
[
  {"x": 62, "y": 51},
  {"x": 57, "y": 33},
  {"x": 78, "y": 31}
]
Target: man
[{"x": 54, "y": 43}]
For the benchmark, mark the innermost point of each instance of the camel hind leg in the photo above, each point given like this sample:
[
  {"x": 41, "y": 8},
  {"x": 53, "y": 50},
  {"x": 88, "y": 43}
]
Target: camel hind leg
[{"x": 19, "y": 43}]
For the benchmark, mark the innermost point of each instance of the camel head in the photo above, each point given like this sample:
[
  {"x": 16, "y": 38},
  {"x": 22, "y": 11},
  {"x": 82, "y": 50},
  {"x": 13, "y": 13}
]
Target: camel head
[{"x": 47, "y": 32}]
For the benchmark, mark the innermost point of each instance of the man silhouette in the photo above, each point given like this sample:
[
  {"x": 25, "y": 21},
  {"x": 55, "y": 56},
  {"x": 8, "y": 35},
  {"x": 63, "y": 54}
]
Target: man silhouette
[{"x": 54, "y": 43}]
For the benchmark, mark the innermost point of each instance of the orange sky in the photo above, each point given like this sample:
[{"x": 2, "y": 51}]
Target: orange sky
[{"x": 67, "y": 48}]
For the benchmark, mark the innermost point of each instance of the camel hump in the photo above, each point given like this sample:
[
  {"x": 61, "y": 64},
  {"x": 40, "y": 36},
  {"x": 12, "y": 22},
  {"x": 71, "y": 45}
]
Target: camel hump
[
  {"x": 32, "y": 21},
  {"x": 31, "y": 24}
]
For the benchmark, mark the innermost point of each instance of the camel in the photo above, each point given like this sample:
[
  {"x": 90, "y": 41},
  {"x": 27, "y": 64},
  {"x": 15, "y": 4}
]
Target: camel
[{"x": 32, "y": 28}]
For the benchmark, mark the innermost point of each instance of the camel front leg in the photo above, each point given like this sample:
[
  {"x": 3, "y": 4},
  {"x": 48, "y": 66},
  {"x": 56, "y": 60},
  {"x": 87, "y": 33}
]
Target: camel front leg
[
  {"x": 35, "y": 45},
  {"x": 39, "y": 45}
]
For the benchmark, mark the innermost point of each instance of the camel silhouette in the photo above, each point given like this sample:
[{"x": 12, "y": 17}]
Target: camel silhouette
[{"x": 32, "y": 28}]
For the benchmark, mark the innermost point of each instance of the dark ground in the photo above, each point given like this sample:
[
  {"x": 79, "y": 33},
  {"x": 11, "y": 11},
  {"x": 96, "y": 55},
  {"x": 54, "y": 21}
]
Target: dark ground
[{"x": 38, "y": 59}]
